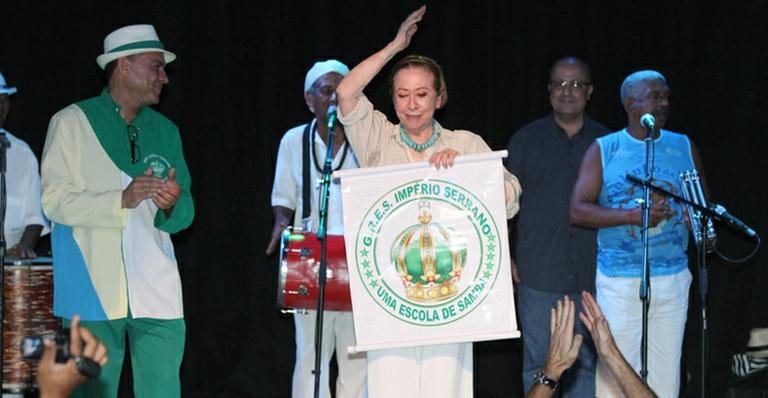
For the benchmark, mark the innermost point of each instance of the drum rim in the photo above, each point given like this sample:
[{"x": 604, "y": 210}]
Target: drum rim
[
  {"x": 282, "y": 273},
  {"x": 37, "y": 261},
  {"x": 32, "y": 267}
]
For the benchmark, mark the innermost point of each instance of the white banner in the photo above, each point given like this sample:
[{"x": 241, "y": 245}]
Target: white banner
[{"x": 428, "y": 253}]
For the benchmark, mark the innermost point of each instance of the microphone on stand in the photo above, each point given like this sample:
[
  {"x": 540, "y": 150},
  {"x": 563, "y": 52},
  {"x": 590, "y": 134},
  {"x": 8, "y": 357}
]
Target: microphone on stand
[
  {"x": 331, "y": 115},
  {"x": 733, "y": 221},
  {"x": 648, "y": 121}
]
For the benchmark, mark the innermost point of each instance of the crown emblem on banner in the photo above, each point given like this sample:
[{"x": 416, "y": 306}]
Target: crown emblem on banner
[{"x": 429, "y": 258}]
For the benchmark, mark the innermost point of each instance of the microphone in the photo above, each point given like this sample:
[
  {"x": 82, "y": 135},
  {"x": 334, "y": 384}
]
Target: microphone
[
  {"x": 733, "y": 221},
  {"x": 648, "y": 121},
  {"x": 331, "y": 112}
]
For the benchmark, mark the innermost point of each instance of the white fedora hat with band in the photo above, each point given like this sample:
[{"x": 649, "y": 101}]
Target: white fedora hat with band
[
  {"x": 758, "y": 343},
  {"x": 129, "y": 40},
  {"x": 755, "y": 358}
]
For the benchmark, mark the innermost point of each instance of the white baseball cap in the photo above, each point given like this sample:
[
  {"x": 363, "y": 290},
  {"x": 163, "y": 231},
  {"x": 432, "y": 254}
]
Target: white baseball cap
[{"x": 322, "y": 67}]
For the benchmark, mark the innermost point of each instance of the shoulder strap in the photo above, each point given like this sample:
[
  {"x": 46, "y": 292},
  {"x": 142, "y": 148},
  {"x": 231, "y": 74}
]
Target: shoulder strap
[{"x": 305, "y": 183}]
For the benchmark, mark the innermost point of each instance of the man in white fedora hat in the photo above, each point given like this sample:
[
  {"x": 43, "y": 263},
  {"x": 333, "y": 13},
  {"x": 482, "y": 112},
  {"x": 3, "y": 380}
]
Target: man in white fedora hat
[
  {"x": 115, "y": 186},
  {"x": 299, "y": 160},
  {"x": 24, "y": 222}
]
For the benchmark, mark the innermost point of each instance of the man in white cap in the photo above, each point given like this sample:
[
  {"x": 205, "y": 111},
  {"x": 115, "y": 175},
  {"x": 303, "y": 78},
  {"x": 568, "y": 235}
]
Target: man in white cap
[
  {"x": 24, "y": 221},
  {"x": 115, "y": 186},
  {"x": 288, "y": 199}
]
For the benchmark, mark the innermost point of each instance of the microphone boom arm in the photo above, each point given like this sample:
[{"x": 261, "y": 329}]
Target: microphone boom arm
[{"x": 715, "y": 211}]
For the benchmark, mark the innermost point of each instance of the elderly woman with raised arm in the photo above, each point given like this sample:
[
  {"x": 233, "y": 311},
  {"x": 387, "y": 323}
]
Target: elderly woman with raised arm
[{"x": 418, "y": 90}]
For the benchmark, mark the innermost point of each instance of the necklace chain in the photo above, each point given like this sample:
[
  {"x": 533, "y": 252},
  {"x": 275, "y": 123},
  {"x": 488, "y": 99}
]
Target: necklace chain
[{"x": 314, "y": 157}]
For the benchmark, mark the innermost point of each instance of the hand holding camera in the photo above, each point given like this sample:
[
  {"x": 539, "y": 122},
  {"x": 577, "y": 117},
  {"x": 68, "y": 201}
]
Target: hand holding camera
[{"x": 61, "y": 369}]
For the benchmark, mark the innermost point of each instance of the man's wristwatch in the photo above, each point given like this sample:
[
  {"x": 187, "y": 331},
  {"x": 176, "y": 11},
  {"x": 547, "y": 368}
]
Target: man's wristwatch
[{"x": 541, "y": 378}]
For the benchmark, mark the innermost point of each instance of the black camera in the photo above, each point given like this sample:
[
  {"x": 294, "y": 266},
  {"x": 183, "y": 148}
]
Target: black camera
[{"x": 32, "y": 346}]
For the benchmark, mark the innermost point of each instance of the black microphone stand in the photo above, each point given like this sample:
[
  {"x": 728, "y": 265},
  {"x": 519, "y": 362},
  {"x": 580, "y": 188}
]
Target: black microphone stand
[
  {"x": 321, "y": 235},
  {"x": 4, "y": 145},
  {"x": 645, "y": 280},
  {"x": 701, "y": 250},
  {"x": 701, "y": 260}
]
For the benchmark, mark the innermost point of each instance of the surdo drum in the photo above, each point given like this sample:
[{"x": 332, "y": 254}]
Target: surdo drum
[{"x": 299, "y": 262}]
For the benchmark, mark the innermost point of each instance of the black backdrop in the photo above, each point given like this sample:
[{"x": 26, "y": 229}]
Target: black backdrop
[{"x": 237, "y": 86}]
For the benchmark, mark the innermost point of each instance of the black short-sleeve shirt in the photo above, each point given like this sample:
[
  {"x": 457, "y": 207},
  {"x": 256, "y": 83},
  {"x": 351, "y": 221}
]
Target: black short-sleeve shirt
[{"x": 551, "y": 254}]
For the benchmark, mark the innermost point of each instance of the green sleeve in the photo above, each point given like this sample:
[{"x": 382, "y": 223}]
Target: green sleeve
[{"x": 184, "y": 210}]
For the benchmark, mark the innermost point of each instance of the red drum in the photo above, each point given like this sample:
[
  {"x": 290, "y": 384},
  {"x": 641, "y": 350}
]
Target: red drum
[
  {"x": 299, "y": 261},
  {"x": 28, "y": 295}
]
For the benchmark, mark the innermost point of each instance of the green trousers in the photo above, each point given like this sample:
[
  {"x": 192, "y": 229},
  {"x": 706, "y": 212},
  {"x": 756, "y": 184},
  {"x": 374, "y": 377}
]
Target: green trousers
[{"x": 156, "y": 348}]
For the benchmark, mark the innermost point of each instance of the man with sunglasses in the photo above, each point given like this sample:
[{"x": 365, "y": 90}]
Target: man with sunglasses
[
  {"x": 553, "y": 258},
  {"x": 115, "y": 186}
]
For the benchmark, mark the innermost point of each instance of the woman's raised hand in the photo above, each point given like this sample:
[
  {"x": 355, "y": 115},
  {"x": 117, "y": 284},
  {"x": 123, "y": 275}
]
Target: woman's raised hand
[{"x": 408, "y": 28}]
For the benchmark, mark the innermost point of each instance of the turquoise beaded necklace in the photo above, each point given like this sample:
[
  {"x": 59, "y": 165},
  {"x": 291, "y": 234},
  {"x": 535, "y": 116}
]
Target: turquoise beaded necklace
[{"x": 424, "y": 145}]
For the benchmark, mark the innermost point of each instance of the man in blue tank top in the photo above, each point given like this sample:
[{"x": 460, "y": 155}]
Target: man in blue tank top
[{"x": 603, "y": 198}]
